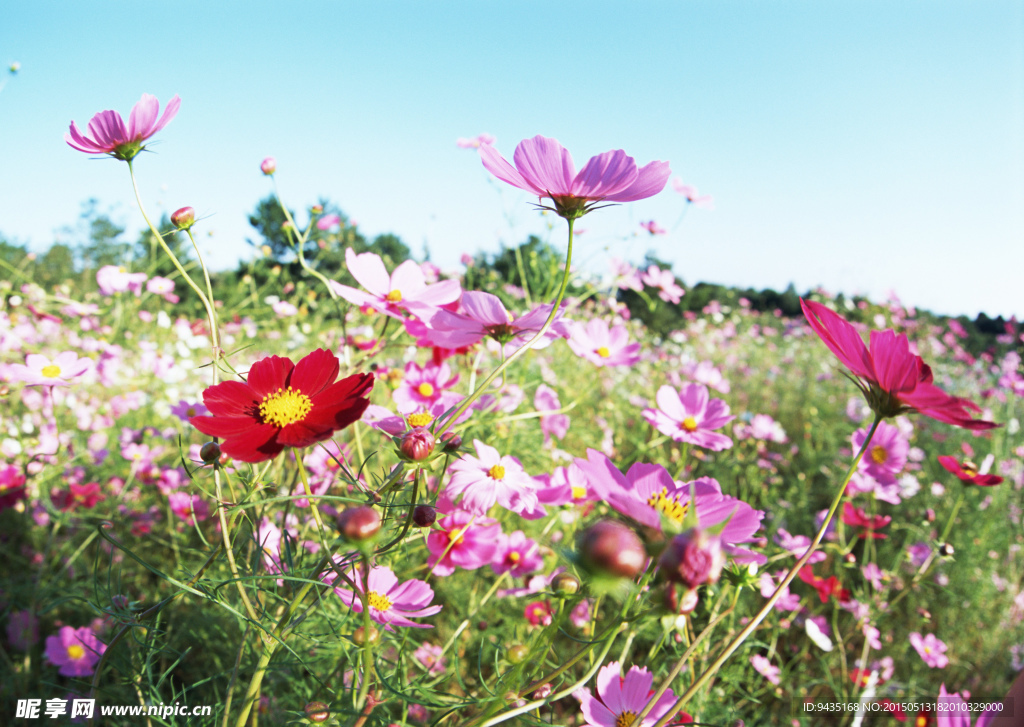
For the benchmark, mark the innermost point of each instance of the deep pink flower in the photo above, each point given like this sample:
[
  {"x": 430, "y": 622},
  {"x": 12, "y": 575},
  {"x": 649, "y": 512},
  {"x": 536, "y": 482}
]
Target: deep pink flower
[
  {"x": 892, "y": 379},
  {"x": 689, "y": 415},
  {"x": 953, "y": 712},
  {"x": 111, "y": 136},
  {"x": 647, "y": 492},
  {"x": 797, "y": 545},
  {"x": 12, "y": 486},
  {"x": 517, "y": 554},
  {"x": 552, "y": 425},
  {"x": 404, "y": 289},
  {"x": 190, "y": 508},
  {"x": 75, "y": 651},
  {"x": 545, "y": 168},
  {"x": 462, "y": 540},
  {"x": 887, "y": 454},
  {"x": 327, "y": 222},
  {"x": 968, "y": 471},
  {"x": 490, "y": 478},
  {"x": 38, "y": 370},
  {"x": 620, "y": 699},
  {"x": 391, "y": 602},
  {"x": 869, "y": 523},
  {"x": 484, "y": 315},
  {"x": 431, "y": 657},
  {"x": 931, "y": 650},
  {"x": 424, "y": 386},
  {"x": 602, "y": 345}
]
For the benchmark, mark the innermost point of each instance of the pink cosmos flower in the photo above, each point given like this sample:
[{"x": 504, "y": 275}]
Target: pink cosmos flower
[
  {"x": 111, "y": 136},
  {"x": 484, "y": 315},
  {"x": 23, "y": 630},
  {"x": 545, "y": 168},
  {"x": 424, "y": 386},
  {"x": 869, "y": 523},
  {"x": 653, "y": 227},
  {"x": 475, "y": 143},
  {"x": 765, "y": 668},
  {"x": 873, "y": 575},
  {"x": 969, "y": 472},
  {"x": 538, "y": 613},
  {"x": 887, "y": 454},
  {"x": 767, "y": 583},
  {"x": 327, "y": 222},
  {"x": 665, "y": 281},
  {"x": 115, "y": 279},
  {"x": 953, "y": 712},
  {"x": 431, "y": 657},
  {"x": 268, "y": 166},
  {"x": 692, "y": 195},
  {"x": 647, "y": 491},
  {"x": 603, "y": 346},
  {"x": 797, "y": 545},
  {"x": 517, "y": 554},
  {"x": 620, "y": 699},
  {"x": 404, "y": 289},
  {"x": 490, "y": 478},
  {"x": 552, "y": 425},
  {"x": 270, "y": 540},
  {"x": 461, "y": 539},
  {"x": 705, "y": 372},
  {"x": 190, "y": 508},
  {"x": 391, "y": 602},
  {"x": 689, "y": 415},
  {"x": 931, "y": 650},
  {"x": 164, "y": 287},
  {"x": 185, "y": 410},
  {"x": 892, "y": 379},
  {"x": 38, "y": 370},
  {"x": 762, "y": 427},
  {"x": 626, "y": 277},
  {"x": 75, "y": 651}
]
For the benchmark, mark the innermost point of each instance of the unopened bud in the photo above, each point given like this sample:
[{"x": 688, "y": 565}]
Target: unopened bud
[
  {"x": 417, "y": 444},
  {"x": 693, "y": 559},
  {"x": 518, "y": 653},
  {"x": 611, "y": 547},
  {"x": 183, "y": 218},
  {"x": 946, "y": 550},
  {"x": 268, "y": 166},
  {"x": 565, "y": 584},
  {"x": 451, "y": 442},
  {"x": 361, "y": 636},
  {"x": 209, "y": 452},
  {"x": 359, "y": 523},
  {"x": 423, "y": 516},
  {"x": 317, "y": 712}
]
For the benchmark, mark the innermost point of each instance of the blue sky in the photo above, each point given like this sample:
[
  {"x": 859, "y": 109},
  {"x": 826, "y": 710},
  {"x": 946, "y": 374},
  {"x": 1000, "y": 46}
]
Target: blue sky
[{"x": 862, "y": 146}]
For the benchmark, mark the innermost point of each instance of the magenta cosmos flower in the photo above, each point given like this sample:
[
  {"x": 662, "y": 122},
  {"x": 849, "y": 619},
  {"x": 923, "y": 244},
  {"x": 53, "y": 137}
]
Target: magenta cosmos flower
[
  {"x": 931, "y": 649},
  {"x": 689, "y": 415},
  {"x": 462, "y": 540},
  {"x": 893, "y": 380},
  {"x": 647, "y": 492},
  {"x": 968, "y": 471},
  {"x": 620, "y": 699},
  {"x": 490, "y": 478},
  {"x": 404, "y": 289},
  {"x": 485, "y": 316},
  {"x": 424, "y": 386},
  {"x": 38, "y": 370},
  {"x": 111, "y": 136},
  {"x": 887, "y": 454},
  {"x": 391, "y": 602},
  {"x": 602, "y": 345},
  {"x": 545, "y": 168},
  {"x": 953, "y": 711},
  {"x": 75, "y": 651}
]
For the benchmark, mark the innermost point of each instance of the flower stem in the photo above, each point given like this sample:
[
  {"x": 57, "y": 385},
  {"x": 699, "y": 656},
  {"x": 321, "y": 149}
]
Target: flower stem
[{"x": 767, "y": 607}]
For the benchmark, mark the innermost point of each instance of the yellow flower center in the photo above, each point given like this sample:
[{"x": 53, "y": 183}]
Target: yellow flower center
[
  {"x": 191, "y": 411},
  {"x": 75, "y": 652},
  {"x": 879, "y": 454},
  {"x": 425, "y": 389},
  {"x": 455, "y": 536},
  {"x": 51, "y": 372},
  {"x": 395, "y": 296},
  {"x": 603, "y": 352},
  {"x": 625, "y": 719},
  {"x": 670, "y": 505},
  {"x": 578, "y": 493},
  {"x": 970, "y": 469},
  {"x": 284, "y": 407},
  {"x": 378, "y": 601},
  {"x": 690, "y": 424},
  {"x": 514, "y": 556},
  {"x": 922, "y": 721},
  {"x": 496, "y": 472},
  {"x": 420, "y": 419},
  {"x": 927, "y": 649}
]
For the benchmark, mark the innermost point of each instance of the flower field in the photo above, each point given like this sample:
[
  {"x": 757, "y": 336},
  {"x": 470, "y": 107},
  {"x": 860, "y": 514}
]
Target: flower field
[{"x": 377, "y": 493}]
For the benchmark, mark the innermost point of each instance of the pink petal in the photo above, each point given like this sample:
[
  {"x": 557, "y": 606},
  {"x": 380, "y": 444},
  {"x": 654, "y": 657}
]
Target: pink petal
[
  {"x": 650, "y": 180},
  {"x": 604, "y": 175},
  {"x": 545, "y": 164},
  {"x": 369, "y": 271},
  {"x": 495, "y": 163},
  {"x": 143, "y": 117}
]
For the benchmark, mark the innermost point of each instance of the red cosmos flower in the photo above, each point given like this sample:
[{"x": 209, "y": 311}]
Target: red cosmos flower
[
  {"x": 283, "y": 405},
  {"x": 858, "y": 518},
  {"x": 894, "y": 380},
  {"x": 826, "y": 587},
  {"x": 968, "y": 471}
]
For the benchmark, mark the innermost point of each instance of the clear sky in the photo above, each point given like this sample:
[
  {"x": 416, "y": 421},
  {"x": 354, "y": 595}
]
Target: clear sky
[{"x": 863, "y": 146}]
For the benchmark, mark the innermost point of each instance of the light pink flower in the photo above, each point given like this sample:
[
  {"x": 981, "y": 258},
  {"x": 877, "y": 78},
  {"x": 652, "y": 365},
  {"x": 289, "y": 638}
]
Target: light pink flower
[
  {"x": 404, "y": 289},
  {"x": 689, "y": 415},
  {"x": 545, "y": 168},
  {"x": 797, "y": 545},
  {"x": 75, "y": 651},
  {"x": 765, "y": 668},
  {"x": 886, "y": 455},
  {"x": 601, "y": 345},
  {"x": 665, "y": 281},
  {"x": 490, "y": 478},
  {"x": 653, "y": 227},
  {"x": 111, "y": 136},
  {"x": 692, "y": 195},
  {"x": 873, "y": 575},
  {"x": 620, "y": 699},
  {"x": 931, "y": 649},
  {"x": 475, "y": 143},
  {"x": 431, "y": 657},
  {"x": 164, "y": 287},
  {"x": 626, "y": 277},
  {"x": 391, "y": 602},
  {"x": 484, "y": 315},
  {"x": 552, "y": 425},
  {"x": 952, "y": 711},
  {"x": 38, "y": 370},
  {"x": 517, "y": 554},
  {"x": 114, "y": 279},
  {"x": 871, "y": 635},
  {"x": 327, "y": 222}
]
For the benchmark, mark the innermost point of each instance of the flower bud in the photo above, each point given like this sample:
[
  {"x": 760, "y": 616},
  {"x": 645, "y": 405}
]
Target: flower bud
[
  {"x": 209, "y": 452},
  {"x": 451, "y": 442},
  {"x": 268, "y": 166},
  {"x": 518, "y": 653},
  {"x": 693, "y": 558},
  {"x": 946, "y": 550},
  {"x": 183, "y": 218},
  {"x": 611, "y": 547},
  {"x": 361, "y": 636},
  {"x": 417, "y": 444},
  {"x": 317, "y": 712},
  {"x": 565, "y": 584},
  {"x": 359, "y": 523},
  {"x": 423, "y": 516}
]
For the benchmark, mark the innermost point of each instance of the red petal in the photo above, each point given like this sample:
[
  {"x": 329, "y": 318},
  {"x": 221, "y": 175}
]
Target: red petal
[
  {"x": 257, "y": 445},
  {"x": 269, "y": 374},
  {"x": 224, "y": 426},
  {"x": 231, "y": 398},
  {"x": 315, "y": 372},
  {"x": 351, "y": 387}
]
